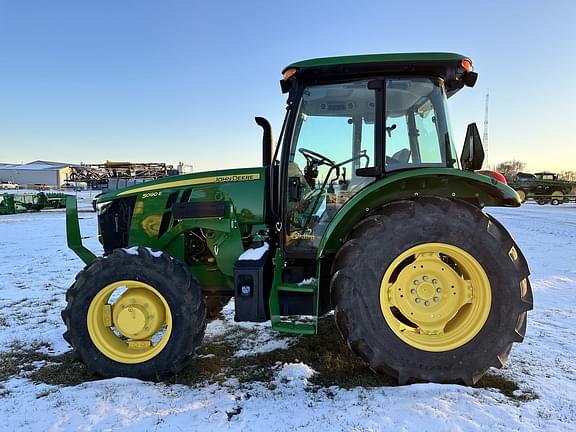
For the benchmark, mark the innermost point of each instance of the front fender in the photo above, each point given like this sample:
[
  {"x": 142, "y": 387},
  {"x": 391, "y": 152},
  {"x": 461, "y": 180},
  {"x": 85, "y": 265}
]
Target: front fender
[{"x": 449, "y": 183}]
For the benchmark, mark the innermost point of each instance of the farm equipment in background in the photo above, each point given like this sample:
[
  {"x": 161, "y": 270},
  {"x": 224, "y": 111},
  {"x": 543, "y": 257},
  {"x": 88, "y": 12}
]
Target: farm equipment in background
[
  {"x": 543, "y": 187},
  {"x": 363, "y": 208},
  {"x": 111, "y": 175},
  {"x": 22, "y": 203}
]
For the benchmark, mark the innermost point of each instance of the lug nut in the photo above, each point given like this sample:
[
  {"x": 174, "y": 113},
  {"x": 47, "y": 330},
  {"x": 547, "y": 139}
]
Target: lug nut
[
  {"x": 417, "y": 300},
  {"x": 436, "y": 299},
  {"x": 413, "y": 291},
  {"x": 416, "y": 282},
  {"x": 434, "y": 281},
  {"x": 424, "y": 278},
  {"x": 438, "y": 290},
  {"x": 426, "y": 303}
]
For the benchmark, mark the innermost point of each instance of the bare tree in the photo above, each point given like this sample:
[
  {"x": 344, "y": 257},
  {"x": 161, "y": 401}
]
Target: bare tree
[
  {"x": 510, "y": 168},
  {"x": 567, "y": 175}
]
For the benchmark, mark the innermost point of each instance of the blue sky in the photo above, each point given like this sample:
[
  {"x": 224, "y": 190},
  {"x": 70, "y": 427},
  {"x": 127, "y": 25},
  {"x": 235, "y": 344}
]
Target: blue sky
[{"x": 181, "y": 81}]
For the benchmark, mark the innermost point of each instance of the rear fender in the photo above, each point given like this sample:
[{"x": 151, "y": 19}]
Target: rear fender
[{"x": 478, "y": 189}]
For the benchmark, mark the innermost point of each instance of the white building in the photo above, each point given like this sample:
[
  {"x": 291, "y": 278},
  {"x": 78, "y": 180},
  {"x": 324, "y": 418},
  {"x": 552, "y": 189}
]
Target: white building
[{"x": 36, "y": 174}]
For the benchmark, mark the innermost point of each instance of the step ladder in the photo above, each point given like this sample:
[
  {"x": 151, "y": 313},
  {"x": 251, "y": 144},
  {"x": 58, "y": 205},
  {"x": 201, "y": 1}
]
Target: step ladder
[{"x": 295, "y": 324}]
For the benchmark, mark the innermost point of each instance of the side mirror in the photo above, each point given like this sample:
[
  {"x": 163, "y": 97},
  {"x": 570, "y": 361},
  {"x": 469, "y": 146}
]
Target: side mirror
[{"x": 472, "y": 153}]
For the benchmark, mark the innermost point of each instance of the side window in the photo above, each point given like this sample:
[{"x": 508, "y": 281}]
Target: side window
[
  {"x": 397, "y": 143},
  {"x": 428, "y": 136},
  {"x": 416, "y": 125}
]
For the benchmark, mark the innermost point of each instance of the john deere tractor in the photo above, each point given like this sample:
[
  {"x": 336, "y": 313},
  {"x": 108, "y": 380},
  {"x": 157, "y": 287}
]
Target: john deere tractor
[{"x": 363, "y": 208}]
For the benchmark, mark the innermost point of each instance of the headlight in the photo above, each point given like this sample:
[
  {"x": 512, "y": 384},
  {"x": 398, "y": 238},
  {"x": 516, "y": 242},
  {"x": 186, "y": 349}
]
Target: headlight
[{"x": 101, "y": 207}]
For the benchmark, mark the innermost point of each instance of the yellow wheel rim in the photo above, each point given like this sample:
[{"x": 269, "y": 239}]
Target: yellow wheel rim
[
  {"x": 435, "y": 297},
  {"x": 129, "y": 321},
  {"x": 521, "y": 195}
]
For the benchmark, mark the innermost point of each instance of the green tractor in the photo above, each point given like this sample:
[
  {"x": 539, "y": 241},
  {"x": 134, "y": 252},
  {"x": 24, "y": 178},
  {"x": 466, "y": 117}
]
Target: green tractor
[{"x": 363, "y": 209}]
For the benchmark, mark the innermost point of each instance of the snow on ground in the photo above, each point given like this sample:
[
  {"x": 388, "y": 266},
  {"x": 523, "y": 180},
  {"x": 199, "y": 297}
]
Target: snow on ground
[{"x": 36, "y": 269}]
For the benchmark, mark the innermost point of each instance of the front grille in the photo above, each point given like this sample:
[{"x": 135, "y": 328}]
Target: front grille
[{"x": 114, "y": 223}]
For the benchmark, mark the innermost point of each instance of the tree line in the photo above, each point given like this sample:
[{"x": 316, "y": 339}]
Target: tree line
[{"x": 510, "y": 168}]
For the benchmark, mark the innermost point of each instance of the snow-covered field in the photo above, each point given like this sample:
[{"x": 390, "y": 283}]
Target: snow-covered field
[{"x": 536, "y": 390}]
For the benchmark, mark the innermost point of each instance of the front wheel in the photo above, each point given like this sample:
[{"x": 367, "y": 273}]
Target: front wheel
[
  {"x": 431, "y": 290},
  {"x": 135, "y": 313}
]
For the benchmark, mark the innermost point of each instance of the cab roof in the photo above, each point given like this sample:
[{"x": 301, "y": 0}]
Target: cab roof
[
  {"x": 455, "y": 69},
  {"x": 406, "y": 58}
]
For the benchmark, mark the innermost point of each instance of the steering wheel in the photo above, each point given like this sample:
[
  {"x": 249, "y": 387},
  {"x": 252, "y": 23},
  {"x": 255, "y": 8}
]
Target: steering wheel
[{"x": 316, "y": 158}]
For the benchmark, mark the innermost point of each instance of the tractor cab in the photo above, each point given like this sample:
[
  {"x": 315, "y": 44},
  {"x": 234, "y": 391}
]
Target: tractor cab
[{"x": 348, "y": 125}]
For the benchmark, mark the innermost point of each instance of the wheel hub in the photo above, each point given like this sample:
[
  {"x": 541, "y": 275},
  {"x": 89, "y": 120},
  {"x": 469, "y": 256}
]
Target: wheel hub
[
  {"x": 131, "y": 320},
  {"x": 425, "y": 291},
  {"x": 440, "y": 299},
  {"x": 138, "y": 313}
]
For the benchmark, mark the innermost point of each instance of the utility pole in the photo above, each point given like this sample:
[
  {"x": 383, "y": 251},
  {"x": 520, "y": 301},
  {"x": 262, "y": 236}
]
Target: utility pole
[{"x": 485, "y": 137}]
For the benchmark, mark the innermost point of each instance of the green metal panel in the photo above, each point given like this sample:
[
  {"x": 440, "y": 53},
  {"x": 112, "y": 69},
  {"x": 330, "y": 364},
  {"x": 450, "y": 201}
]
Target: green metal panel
[
  {"x": 444, "y": 182},
  {"x": 376, "y": 58},
  {"x": 245, "y": 187},
  {"x": 152, "y": 225}
]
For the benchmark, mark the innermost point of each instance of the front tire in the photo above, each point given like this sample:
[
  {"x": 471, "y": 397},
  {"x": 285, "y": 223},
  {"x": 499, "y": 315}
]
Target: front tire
[
  {"x": 431, "y": 290},
  {"x": 135, "y": 313}
]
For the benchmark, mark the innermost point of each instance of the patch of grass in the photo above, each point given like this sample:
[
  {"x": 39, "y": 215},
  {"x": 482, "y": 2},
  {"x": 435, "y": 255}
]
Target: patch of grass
[
  {"x": 507, "y": 387},
  {"x": 326, "y": 353},
  {"x": 62, "y": 369}
]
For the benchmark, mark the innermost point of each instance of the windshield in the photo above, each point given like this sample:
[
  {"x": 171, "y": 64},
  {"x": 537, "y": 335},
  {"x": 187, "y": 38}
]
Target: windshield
[{"x": 335, "y": 135}]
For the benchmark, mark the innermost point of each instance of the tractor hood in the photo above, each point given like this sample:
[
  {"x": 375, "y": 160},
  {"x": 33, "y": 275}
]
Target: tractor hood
[{"x": 215, "y": 178}]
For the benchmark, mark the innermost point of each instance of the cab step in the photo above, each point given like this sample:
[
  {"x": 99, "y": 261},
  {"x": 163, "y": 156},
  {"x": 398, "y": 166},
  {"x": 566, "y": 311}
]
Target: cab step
[
  {"x": 295, "y": 328},
  {"x": 293, "y": 306},
  {"x": 301, "y": 288}
]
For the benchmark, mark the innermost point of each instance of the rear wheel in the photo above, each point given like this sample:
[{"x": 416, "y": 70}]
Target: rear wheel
[
  {"x": 138, "y": 315},
  {"x": 431, "y": 290}
]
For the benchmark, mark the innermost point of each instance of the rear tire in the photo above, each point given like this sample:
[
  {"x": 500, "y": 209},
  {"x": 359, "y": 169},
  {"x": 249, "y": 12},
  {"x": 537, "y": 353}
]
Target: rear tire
[
  {"x": 455, "y": 241},
  {"x": 138, "y": 315}
]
